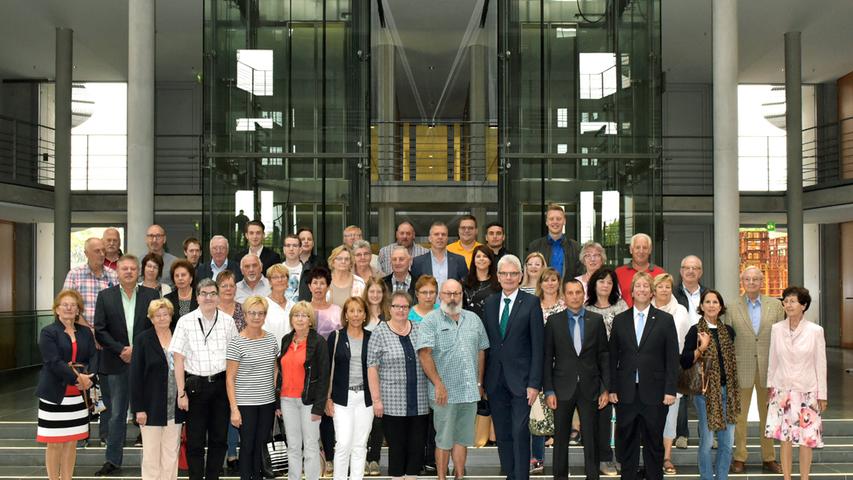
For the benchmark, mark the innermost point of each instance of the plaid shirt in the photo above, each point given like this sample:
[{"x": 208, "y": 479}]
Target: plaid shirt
[
  {"x": 88, "y": 285},
  {"x": 385, "y": 351}
]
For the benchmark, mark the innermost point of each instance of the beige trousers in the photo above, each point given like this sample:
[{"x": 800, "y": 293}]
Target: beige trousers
[
  {"x": 160, "y": 448},
  {"x": 768, "y": 454}
]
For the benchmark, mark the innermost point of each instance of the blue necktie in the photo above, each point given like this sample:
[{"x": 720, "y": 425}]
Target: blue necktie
[
  {"x": 639, "y": 332},
  {"x": 505, "y": 317},
  {"x": 576, "y": 334}
]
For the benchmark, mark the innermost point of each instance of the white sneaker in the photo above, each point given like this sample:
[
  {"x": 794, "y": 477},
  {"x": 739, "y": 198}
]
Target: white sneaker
[{"x": 608, "y": 469}]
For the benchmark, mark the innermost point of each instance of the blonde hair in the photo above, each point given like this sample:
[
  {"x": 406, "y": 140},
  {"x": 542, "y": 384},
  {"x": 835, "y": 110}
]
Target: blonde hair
[
  {"x": 641, "y": 276},
  {"x": 663, "y": 277},
  {"x": 337, "y": 251},
  {"x": 158, "y": 304},
  {"x": 278, "y": 268},
  {"x": 304, "y": 307},
  {"x": 255, "y": 300},
  {"x": 530, "y": 255}
]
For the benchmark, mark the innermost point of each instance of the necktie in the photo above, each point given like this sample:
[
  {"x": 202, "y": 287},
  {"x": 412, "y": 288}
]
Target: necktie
[
  {"x": 505, "y": 317},
  {"x": 576, "y": 335},
  {"x": 640, "y": 325}
]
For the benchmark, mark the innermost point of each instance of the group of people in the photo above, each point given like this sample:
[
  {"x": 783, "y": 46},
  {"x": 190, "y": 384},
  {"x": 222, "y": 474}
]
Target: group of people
[{"x": 401, "y": 347}]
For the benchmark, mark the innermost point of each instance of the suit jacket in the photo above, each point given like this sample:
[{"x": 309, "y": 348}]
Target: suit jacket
[
  {"x": 176, "y": 314},
  {"x": 572, "y": 266},
  {"x": 340, "y": 365},
  {"x": 656, "y": 357},
  {"x": 564, "y": 369},
  {"x": 204, "y": 271},
  {"x": 753, "y": 350},
  {"x": 268, "y": 259},
  {"x": 389, "y": 282},
  {"x": 517, "y": 356},
  {"x": 681, "y": 297},
  {"x": 55, "y": 347},
  {"x": 149, "y": 380},
  {"x": 457, "y": 268},
  {"x": 111, "y": 326}
]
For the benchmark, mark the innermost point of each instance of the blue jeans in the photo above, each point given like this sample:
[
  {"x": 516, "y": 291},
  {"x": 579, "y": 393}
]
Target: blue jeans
[
  {"x": 120, "y": 399},
  {"x": 233, "y": 441},
  {"x": 725, "y": 440},
  {"x": 537, "y": 447}
]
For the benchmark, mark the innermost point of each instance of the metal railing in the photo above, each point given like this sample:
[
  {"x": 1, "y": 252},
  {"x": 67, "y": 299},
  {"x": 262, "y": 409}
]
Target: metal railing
[
  {"x": 26, "y": 153},
  {"x": 20, "y": 338},
  {"x": 828, "y": 154}
]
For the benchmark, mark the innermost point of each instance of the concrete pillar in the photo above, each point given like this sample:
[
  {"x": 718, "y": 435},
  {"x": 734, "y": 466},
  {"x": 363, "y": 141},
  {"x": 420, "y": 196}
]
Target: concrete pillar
[
  {"x": 794, "y": 132},
  {"x": 140, "y": 123},
  {"x": 478, "y": 101},
  {"x": 387, "y": 225},
  {"x": 62, "y": 159},
  {"x": 726, "y": 193},
  {"x": 386, "y": 112},
  {"x": 479, "y": 213}
]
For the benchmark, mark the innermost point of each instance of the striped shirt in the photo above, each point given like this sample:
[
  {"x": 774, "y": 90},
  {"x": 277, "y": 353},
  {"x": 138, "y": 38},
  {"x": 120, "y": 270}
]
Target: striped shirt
[
  {"x": 255, "y": 383},
  {"x": 88, "y": 286}
]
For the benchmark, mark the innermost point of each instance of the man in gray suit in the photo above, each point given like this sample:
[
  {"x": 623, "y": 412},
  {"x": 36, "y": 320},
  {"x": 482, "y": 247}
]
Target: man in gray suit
[{"x": 752, "y": 317}]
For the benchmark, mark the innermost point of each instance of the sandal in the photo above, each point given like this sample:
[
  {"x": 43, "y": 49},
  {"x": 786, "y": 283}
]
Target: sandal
[{"x": 668, "y": 467}]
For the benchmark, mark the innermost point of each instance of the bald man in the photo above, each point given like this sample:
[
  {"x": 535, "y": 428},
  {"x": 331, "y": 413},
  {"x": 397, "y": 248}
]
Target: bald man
[
  {"x": 91, "y": 277},
  {"x": 155, "y": 239},
  {"x": 253, "y": 282}
]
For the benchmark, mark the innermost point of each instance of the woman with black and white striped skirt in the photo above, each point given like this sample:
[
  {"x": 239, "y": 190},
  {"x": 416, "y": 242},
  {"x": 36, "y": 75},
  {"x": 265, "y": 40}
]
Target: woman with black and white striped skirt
[{"x": 63, "y": 416}]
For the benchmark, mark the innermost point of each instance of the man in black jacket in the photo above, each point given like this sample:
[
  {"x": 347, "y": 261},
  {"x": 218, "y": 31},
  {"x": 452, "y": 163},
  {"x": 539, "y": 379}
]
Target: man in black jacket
[
  {"x": 644, "y": 367},
  {"x": 219, "y": 261},
  {"x": 121, "y": 312},
  {"x": 576, "y": 374},
  {"x": 400, "y": 279},
  {"x": 255, "y": 233}
]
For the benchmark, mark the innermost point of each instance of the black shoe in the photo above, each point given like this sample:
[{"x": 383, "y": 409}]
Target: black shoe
[
  {"x": 233, "y": 466},
  {"x": 108, "y": 470},
  {"x": 429, "y": 470},
  {"x": 138, "y": 442}
]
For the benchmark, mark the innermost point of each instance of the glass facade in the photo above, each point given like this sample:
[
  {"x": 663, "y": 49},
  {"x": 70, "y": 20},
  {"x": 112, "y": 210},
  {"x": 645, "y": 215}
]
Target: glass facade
[{"x": 286, "y": 116}]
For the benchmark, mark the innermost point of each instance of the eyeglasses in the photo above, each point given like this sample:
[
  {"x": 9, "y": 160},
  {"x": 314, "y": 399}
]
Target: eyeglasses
[
  {"x": 207, "y": 294},
  {"x": 256, "y": 314},
  {"x": 509, "y": 274},
  {"x": 452, "y": 294},
  {"x": 592, "y": 255},
  {"x": 278, "y": 277},
  {"x": 400, "y": 307},
  {"x": 426, "y": 292},
  {"x": 155, "y": 235},
  {"x": 301, "y": 315},
  {"x": 692, "y": 269}
]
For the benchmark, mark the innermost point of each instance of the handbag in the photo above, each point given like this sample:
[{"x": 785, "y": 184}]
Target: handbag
[
  {"x": 277, "y": 449},
  {"x": 692, "y": 381},
  {"x": 90, "y": 401},
  {"x": 541, "y": 418}
]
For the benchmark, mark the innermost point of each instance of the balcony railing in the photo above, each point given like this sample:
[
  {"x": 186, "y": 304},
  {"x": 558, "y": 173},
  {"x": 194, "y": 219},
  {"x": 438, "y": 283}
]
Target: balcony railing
[{"x": 19, "y": 345}]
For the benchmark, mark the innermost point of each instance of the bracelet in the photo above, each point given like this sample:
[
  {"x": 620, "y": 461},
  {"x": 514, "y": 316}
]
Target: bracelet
[{"x": 182, "y": 395}]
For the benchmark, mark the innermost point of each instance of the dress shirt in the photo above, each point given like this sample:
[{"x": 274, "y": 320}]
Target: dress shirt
[
  {"x": 88, "y": 285},
  {"x": 277, "y": 320},
  {"x": 244, "y": 291},
  {"x": 216, "y": 270},
  {"x": 576, "y": 317},
  {"x": 558, "y": 256},
  {"x": 128, "y": 303},
  {"x": 693, "y": 300},
  {"x": 439, "y": 269},
  {"x": 798, "y": 359},
  {"x": 398, "y": 286},
  {"x": 645, "y": 313},
  {"x": 512, "y": 296},
  {"x": 754, "y": 310},
  {"x": 203, "y": 342}
]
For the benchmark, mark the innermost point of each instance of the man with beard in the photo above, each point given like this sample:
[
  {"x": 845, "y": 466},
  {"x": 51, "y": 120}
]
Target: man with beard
[{"x": 452, "y": 345}]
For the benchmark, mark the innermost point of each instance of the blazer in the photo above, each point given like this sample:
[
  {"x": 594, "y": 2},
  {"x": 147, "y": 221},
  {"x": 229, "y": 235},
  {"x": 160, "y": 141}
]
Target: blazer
[
  {"x": 341, "y": 364},
  {"x": 316, "y": 385},
  {"x": 204, "y": 270},
  {"x": 111, "y": 326},
  {"x": 176, "y": 314},
  {"x": 268, "y": 259},
  {"x": 572, "y": 266},
  {"x": 681, "y": 297},
  {"x": 564, "y": 369},
  {"x": 656, "y": 358},
  {"x": 517, "y": 357},
  {"x": 389, "y": 282},
  {"x": 149, "y": 380},
  {"x": 55, "y": 347},
  {"x": 753, "y": 349},
  {"x": 457, "y": 268}
]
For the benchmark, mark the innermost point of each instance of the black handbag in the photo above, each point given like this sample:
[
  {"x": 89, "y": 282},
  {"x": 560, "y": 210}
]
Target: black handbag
[
  {"x": 693, "y": 381},
  {"x": 277, "y": 449}
]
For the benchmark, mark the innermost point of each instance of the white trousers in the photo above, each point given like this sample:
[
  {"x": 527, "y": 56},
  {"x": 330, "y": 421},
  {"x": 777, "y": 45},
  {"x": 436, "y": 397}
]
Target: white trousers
[
  {"x": 303, "y": 439},
  {"x": 352, "y": 428},
  {"x": 160, "y": 448}
]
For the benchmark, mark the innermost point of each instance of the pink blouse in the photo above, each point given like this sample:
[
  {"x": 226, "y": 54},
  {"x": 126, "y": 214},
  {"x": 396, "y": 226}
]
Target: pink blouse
[{"x": 797, "y": 358}]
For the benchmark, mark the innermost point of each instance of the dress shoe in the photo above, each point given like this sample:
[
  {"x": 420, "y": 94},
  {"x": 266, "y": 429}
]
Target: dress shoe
[
  {"x": 771, "y": 467},
  {"x": 233, "y": 466},
  {"x": 108, "y": 470},
  {"x": 737, "y": 467}
]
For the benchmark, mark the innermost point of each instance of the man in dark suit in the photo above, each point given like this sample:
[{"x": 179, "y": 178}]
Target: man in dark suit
[
  {"x": 576, "y": 374},
  {"x": 438, "y": 262},
  {"x": 219, "y": 261},
  {"x": 255, "y": 237},
  {"x": 560, "y": 252},
  {"x": 400, "y": 279},
  {"x": 121, "y": 312},
  {"x": 643, "y": 374},
  {"x": 513, "y": 321}
]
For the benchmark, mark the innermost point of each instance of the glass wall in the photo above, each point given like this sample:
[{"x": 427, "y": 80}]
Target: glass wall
[
  {"x": 579, "y": 118},
  {"x": 286, "y": 116}
]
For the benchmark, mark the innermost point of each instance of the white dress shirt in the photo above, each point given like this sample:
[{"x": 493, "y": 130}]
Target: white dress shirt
[{"x": 512, "y": 296}]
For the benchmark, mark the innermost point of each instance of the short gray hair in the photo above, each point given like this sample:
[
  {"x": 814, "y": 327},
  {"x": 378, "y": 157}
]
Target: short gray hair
[
  {"x": 400, "y": 247},
  {"x": 217, "y": 237},
  {"x": 594, "y": 246},
  {"x": 511, "y": 259},
  {"x": 206, "y": 282},
  {"x": 639, "y": 236},
  {"x": 361, "y": 244},
  {"x": 752, "y": 267}
]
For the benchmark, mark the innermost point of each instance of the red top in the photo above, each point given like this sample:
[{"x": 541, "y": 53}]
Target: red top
[
  {"x": 626, "y": 273},
  {"x": 72, "y": 390},
  {"x": 293, "y": 370}
]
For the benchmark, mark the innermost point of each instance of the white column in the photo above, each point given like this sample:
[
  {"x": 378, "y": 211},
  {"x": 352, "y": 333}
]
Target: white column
[
  {"x": 140, "y": 123},
  {"x": 62, "y": 157},
  {"x": 478, "y": 100},
  {"x": 386, "y": 103},
  {"x": 726, "y": 193},
  {"x": 794, "y": 132}
]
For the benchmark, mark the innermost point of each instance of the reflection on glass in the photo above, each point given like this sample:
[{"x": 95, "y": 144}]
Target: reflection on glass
[
  {"x": 587, "y": 223},
  {"x": 254, "y": 71}
]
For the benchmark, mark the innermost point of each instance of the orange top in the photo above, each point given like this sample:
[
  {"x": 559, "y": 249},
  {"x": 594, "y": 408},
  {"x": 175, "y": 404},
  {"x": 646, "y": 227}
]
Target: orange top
[{"x": 293, "y": 370}]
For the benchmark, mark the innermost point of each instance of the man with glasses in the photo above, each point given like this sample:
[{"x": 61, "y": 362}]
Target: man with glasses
[
  {"x": 353, "y": 234},
  {"x": 451, "y": 346},
  {"x": 219, "y": 260},
  {"x": 155, "y": 239},
  {"x": 513, "y": 322},
  {"x": 467, "y": 239},
  {"x": 199, "y": 346}
]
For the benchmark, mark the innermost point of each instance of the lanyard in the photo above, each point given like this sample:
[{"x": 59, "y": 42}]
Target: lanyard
[{"x": 215, "y": 319}]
